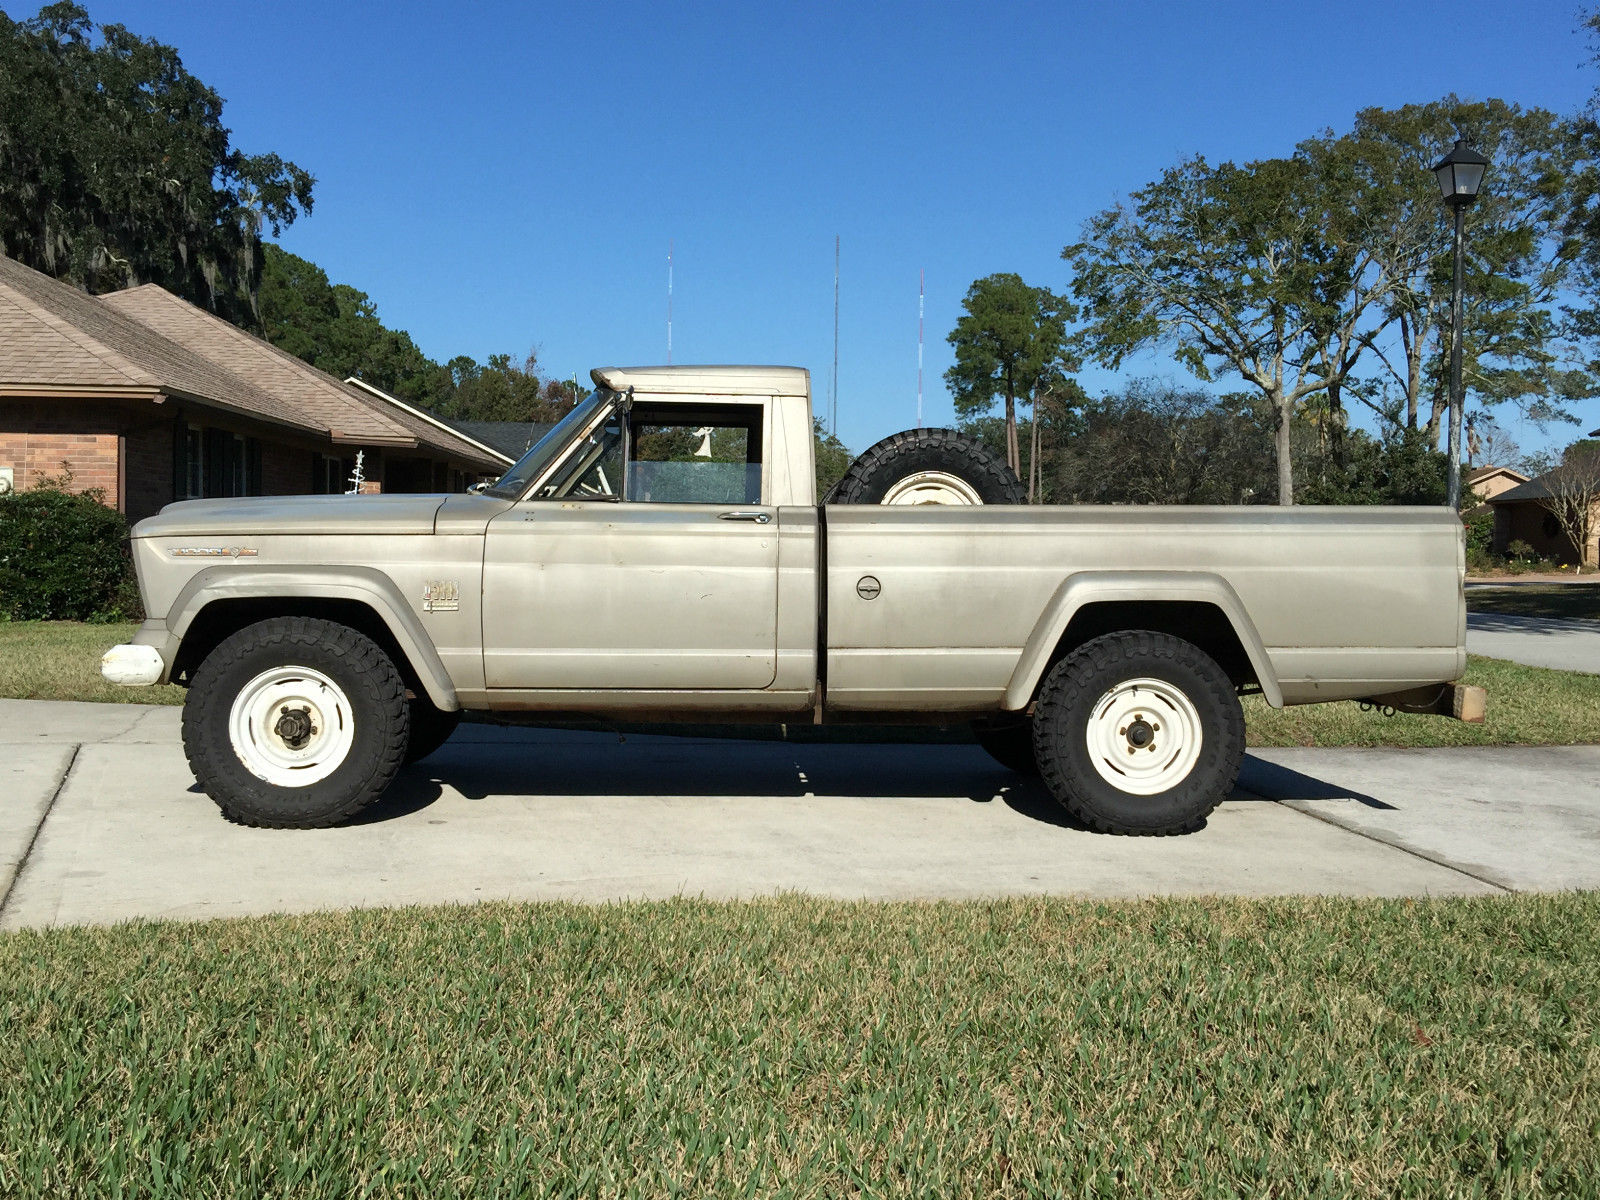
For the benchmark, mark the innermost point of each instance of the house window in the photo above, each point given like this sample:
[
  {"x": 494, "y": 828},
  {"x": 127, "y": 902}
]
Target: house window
[
  {"x": 219, "y": 463},
  {"x": 194, "y": 472},
  {"x": 330, "y": 476}
]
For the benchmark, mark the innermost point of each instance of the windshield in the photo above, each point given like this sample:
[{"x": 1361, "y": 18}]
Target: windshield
[{"x": 514, "y": 482}]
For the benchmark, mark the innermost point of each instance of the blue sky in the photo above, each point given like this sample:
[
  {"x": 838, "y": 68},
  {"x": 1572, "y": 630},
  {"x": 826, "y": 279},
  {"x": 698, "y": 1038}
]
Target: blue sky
[{"x": 502, "y": 176}]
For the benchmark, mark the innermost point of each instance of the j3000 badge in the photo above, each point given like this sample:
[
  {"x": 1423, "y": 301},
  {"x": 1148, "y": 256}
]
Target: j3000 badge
[{"x": 440, "y": 595}]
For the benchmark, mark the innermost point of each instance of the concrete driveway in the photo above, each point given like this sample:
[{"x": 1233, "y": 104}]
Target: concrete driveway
[
  {"x": 100, "y": 821},
  {"x": 1563, "y": 645}
]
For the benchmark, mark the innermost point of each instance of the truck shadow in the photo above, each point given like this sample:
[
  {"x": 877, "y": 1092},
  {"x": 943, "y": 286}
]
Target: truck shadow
[{"x": 532, "y": 763}]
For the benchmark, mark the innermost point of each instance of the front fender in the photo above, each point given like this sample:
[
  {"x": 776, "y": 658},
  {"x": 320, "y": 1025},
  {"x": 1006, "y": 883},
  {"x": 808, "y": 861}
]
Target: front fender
[
  {"x": 364, "y": 585},
  {"x": 1097, "y": 587}
]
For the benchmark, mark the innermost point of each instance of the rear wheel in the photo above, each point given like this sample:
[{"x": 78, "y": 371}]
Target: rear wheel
[
  {"x": 1139, "y": 733},
  {"x": 295, "y": 723},
  {"x": 928, "y": 466}
]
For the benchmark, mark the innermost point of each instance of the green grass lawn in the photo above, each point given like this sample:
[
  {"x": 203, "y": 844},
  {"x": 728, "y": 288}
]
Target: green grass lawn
[
  {"x": 814, "y": 1048},
  {"x": 1569, "y": 600},
  {"x": 1528, "y": 706},
  {"x": 60, "y": 660}
]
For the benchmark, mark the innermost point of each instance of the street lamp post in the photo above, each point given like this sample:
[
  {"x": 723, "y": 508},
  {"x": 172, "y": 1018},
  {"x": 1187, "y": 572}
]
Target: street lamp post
[{"x": 1460, "y": 173}]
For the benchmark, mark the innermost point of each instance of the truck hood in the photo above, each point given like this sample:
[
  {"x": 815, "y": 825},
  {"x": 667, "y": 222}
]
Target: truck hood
[{"x": 293, "y": 515}]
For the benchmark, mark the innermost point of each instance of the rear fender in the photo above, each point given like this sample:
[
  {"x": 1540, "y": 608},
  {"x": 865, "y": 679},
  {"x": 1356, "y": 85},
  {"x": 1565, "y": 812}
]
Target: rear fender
[{"x": 1101, "y": 587}]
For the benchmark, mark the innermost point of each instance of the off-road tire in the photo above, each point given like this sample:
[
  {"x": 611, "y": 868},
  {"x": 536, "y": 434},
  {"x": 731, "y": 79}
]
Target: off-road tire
[
  {"x": 1009, "y": 741},
  {"x": 430, "y": 728},
  {"x": 377, "y": 700},
  {"x": 870, "y": 478},
  {"x": 1067, "y": 701}
]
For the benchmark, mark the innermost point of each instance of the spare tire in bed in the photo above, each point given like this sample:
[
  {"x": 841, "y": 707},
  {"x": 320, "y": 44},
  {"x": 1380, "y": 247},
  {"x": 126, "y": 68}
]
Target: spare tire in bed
[{"x": 928, "y": 466}]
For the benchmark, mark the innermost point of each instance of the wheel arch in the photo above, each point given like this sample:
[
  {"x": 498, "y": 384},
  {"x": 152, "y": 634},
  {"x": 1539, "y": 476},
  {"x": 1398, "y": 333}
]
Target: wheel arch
[
  {"x": 1198, "y": 606},
  {"x": 218, "y": 602}
]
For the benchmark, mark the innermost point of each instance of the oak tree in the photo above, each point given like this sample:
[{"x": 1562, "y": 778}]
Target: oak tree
[{"x": 116, "y": 169}]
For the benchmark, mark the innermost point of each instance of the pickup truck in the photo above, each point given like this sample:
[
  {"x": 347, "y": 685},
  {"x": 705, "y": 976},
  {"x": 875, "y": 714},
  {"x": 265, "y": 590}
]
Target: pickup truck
[{"x": 661, "y": 555}]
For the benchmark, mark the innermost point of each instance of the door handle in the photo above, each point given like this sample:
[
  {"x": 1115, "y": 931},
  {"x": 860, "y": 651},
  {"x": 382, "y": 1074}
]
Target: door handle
[{"x": 760, "y": 518}]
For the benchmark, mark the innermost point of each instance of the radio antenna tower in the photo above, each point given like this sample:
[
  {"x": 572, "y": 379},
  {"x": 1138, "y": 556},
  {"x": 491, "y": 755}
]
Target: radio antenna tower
[
  {"x": 833, "y": 390},
  {"x": 921, "y": 294},
  {"x": 669, "y": 302}
]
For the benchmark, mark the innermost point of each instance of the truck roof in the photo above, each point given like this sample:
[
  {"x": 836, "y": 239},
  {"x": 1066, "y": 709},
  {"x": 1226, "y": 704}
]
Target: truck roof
[{"x": 707, "y": 380}]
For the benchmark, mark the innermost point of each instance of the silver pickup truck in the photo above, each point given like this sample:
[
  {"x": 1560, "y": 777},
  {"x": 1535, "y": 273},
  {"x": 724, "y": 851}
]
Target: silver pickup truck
[{"x": 661, "y": 555}]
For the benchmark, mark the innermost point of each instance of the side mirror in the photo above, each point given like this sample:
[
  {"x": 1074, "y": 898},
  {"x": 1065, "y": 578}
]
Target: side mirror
[{"x": 478, "y": 488}]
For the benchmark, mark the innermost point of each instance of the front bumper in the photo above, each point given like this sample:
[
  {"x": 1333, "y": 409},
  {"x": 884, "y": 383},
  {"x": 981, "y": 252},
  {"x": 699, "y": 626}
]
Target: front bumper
[{"x": 133, "y": 666}]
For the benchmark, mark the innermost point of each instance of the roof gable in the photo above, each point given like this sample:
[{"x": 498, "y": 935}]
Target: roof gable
[
  {"x": 293, "y": 383},
  {"x": 53, "y": 336}
]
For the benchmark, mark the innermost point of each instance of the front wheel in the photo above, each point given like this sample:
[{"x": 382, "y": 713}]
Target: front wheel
[
  {"x": 295, "y": 723},
  {"x": 1139, "y": 733}
]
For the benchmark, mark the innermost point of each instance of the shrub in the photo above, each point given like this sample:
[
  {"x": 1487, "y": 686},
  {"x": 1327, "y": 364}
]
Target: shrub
[{"x": 64, "y": 557}]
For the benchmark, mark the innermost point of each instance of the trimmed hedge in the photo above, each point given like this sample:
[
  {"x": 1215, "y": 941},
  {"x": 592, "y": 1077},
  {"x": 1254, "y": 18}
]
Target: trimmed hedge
[{"x": 64, "y": 557}]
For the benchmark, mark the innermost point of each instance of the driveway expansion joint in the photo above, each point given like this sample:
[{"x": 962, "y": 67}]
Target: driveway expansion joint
[
  {"x": 49, "y": 807},
  {"x": 1437, "y": 860}
]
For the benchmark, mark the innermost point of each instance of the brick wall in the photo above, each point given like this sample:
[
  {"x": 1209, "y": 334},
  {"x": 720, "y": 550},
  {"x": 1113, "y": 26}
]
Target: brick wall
[
  {"x": 285, "y": 470},
  {"x": 47, "y": 439},
  {"x": 147, "y": 468}
]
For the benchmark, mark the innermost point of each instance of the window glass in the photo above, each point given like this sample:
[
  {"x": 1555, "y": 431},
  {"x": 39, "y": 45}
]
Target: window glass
[
  {"x": 695, "y": 455},
  {"x": 194, "y": 464},
  {"x": 594, "y": 472},
  {"x": 512, "y": 484}
]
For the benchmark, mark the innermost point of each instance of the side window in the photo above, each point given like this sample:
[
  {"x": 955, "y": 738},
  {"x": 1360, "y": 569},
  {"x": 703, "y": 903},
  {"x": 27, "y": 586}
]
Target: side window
[{"x": 695, "y": 455}]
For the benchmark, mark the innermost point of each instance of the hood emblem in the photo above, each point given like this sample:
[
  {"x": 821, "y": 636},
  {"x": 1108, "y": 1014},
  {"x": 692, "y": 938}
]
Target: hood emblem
[
  {"x": 441, "y": 595},
  {"x": 214, "y": 552}
]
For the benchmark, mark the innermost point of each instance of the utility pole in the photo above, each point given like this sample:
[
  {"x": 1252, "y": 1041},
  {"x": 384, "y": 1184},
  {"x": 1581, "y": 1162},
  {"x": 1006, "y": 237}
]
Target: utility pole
[
  {"x": 669, "y": 302},
  {"x": 833, "y": 388},
  {"x": 921, "y": 295}
]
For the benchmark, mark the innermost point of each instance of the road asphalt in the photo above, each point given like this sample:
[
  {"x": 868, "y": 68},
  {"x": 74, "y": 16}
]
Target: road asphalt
[
  {"x": 1563, "y": 645},
  {"x": 100, "y": 821}
]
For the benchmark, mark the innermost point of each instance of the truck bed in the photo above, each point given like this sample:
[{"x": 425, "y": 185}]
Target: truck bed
[{"x": 1346, "y": 602}]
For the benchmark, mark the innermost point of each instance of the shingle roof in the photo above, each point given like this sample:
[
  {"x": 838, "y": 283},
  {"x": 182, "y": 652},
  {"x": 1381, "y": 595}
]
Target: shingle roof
[
  {"x": 322, "y": 398},
  {"x": 511, "y": 438},
  {"x": 53, "y": 336},
  {"x": 145, "y": 341},
  {"x": 1540, "y": 488}
]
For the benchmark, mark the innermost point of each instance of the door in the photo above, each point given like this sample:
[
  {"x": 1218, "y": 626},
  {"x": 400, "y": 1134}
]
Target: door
[{"x": 672, "y": 586}]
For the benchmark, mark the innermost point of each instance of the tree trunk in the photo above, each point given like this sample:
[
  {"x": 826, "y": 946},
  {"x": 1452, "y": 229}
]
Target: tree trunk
[
  {"x": 1033, "y": 454},
  {"x": 1013, "y": 457},
  {"x": 1285, "y": 471},
  {"x": 1336, "y": 425}
]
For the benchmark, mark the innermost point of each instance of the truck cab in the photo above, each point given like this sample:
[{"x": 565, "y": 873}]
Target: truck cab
[{"x": 641, "y": 549}]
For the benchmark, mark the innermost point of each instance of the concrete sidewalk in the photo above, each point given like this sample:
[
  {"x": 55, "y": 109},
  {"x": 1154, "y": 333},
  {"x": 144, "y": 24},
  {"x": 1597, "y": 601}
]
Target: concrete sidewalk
[
  {"x": 100, "y": 813},
  {"x": 1557, "y": 643}
]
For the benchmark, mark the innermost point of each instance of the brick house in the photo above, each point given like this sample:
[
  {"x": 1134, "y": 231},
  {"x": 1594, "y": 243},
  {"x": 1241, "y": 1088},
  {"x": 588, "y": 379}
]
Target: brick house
[
  {"x": 144, "y": 396},
  {"x": 1522, "y": 515}
]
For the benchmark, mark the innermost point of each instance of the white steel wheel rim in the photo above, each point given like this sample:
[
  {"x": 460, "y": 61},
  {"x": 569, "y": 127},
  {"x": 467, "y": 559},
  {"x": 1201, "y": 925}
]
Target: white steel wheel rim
[
  {"x": 932, "y": 487},
  {"x": 1144, "y": 736},
  {"x": 291, "y": 726}
]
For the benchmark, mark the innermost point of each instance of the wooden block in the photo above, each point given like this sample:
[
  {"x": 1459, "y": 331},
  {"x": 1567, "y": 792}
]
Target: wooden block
[{"x": 1468, "y": 703}]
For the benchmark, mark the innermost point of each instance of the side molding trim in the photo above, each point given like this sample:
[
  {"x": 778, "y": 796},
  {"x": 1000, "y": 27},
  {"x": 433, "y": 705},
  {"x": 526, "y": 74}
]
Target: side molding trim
[
  {"x": 364, "y": 585},
  {"x": 1098, "y": 587}
]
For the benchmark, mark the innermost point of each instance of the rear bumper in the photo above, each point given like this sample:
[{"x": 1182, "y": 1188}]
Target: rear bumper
[{"x": 133, "y": 666}]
